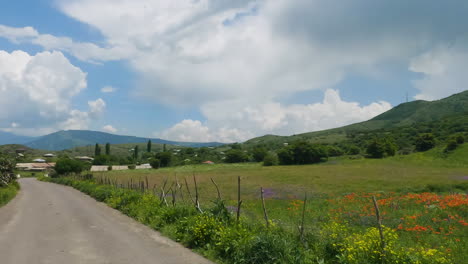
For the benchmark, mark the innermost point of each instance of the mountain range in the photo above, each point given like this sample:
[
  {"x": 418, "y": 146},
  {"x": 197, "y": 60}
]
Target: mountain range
[
  {"x": 75, "y": 138},
  {"x": 403, "y": 115}
]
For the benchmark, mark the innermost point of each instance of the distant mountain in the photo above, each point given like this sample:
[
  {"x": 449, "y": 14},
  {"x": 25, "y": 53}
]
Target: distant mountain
[
  {"x": 9, "y": 138},
  {"x": 403, "y": 115},
  {"x": 74, "y": 138}
]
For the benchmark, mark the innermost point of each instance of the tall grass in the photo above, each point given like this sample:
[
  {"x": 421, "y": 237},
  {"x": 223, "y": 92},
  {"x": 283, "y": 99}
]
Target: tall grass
[{"x": 8, "y": 193}]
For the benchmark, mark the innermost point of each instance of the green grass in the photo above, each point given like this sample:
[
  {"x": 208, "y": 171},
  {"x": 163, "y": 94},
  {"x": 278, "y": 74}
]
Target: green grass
[
  {"x": 337, "y": 176},
  {"x": 8, "y": 193}
]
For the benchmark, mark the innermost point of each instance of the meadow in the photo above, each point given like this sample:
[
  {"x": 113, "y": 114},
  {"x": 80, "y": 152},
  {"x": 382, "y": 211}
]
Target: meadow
[{"x": 422, "y": 198}]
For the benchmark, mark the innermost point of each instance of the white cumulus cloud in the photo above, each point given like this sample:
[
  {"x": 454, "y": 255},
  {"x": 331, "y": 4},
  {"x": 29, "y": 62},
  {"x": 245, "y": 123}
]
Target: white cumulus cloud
[
  {"x": 109, "y": 129},
  {"x": 272, "y": 118},
  {"x": 36, "y": 91}
]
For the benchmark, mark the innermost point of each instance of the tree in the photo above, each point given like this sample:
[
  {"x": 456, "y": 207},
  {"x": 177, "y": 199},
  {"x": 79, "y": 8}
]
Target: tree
[
  {"x": 236, "y": 146},
  {"x": 425, "y": 141},
  {"x": 334, "y": 151},
  {"x": 97, "y": 150},
  {"x": 271, "y": 159},
  {"x": 451, "y": 145},
  {"x": 259, "y": 153},
  {"x": 381, "y": 147},
  {"x": 353, "y": 150},
  {"x": 108, "y": 149},
  {"x": 135, "y": 152},
  {"x": 286, "y": 156},
  {"x": 376, "y": 149},
  {"x": 66, "y": 166},
  {"x": 155, "y": 163},
  {"x": 164, "y": 158},
  {"x": 236, "y": 155},
  {"x": 148, "y": 146},
  {"x": 164, "y": 148},
  {"x": 302, "y": 152}
]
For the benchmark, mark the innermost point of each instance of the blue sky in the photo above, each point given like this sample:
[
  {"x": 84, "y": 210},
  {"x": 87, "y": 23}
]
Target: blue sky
[{"x": 220, "y": 70}]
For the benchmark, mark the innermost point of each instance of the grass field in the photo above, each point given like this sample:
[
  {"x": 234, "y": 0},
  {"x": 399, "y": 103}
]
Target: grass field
[{"x": 422, "y": 196}]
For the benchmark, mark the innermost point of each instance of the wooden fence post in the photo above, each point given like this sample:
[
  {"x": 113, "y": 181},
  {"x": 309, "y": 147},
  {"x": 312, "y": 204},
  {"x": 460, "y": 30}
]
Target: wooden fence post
[
  {"x": 239, "y": 201},
  {"x": 379, "y": 223},
  {"x": 264, "y": 208}
]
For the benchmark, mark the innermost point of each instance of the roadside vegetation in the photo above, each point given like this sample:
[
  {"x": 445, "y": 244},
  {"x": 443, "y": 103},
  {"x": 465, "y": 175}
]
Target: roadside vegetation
[
  {"x": 8, "y": 185},
  {"x": 421, "y": 198}
]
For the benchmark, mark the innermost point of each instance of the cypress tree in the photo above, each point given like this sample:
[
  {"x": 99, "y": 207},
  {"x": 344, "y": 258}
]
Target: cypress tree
[
  {"x": 108, "y": 149},
  {"x": 148, "y": 146},
  {"x": 135, "y": 153},
  {"x": 97, "y": 150}
]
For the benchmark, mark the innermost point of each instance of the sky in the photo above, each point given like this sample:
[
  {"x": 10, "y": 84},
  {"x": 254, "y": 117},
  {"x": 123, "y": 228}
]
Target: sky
[{"x": 222, "y": 70}]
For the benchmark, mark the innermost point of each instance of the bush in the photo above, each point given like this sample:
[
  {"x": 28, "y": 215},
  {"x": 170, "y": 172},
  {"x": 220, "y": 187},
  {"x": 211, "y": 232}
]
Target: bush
[
  {"x": 379, "y": 148},
  {"x": 132, "y": 167},
  {"x": 259, "y": 153},
  {"x": 334, "y": 151},
  {"x": 425, "y": 142},
  {"x": 353, "y": 150},
  {"x": 66, "y": 166},
  {"x": 109, "y": 168},
  {"x": 164, "y": 159},
  {"x": 236, "y": 155},
  {"x": 460, "y": 139},
  {"x": 451, "y": 145},
  {"x": 302, "y": 152},
  {"x": 155, "y": 163},
  {"x": 271, "y": 159}
]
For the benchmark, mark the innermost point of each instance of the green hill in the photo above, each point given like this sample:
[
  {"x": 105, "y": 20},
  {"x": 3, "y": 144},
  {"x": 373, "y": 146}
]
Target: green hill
[
  {"x": 74, "y": 138},
  {"x": 450, "y": 111}
]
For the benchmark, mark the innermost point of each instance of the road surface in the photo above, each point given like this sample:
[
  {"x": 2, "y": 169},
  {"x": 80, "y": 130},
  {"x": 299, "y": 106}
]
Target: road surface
[{"x": 54, "y": 224}]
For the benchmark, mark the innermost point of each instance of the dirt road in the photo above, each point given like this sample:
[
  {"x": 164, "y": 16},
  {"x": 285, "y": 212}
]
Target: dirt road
[{"x": 49, "y": 223}]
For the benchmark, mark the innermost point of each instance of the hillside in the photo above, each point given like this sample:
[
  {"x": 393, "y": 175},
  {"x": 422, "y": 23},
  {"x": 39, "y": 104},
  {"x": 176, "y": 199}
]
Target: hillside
[
  {"x": 9, "y": 138},
  {"x": 75, "y": 138},
  {"x": 451, "y": 109}
]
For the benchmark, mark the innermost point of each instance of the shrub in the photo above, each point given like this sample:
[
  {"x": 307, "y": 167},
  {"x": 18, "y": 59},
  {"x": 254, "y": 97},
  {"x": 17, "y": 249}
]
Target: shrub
[
  {"x": 155, "y": 163},
  {"x": 259, "y": 153},
  {"x": 334, "y": 151},
  {"x": 236, "y": 155},
  {"x": 302, "y": 152},
  {"x": 460, "y": 139},
  {"x": 451, "y": 145},
  {"x": 132, "y": 167},
  {"x": 271, "y": 159},
  {"x": 425, "y": 141},
  {"x": 353, "y": 150},
  {"x": 379, "y": 148},
  {"x": 164, "y": 158},
  {"x": 109, "y": 168},
  {"x": 66, "y": 166}
]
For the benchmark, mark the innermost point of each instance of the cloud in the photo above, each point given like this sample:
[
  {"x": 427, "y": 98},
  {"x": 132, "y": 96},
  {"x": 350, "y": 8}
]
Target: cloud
[
  {"x": 443, "y": 70},
  {"x": 96, "y": 108},
  {"x": 237, "y": 60},
  {"x": 17, "y": 35},
  {"x": 108, "y": 89},
  {"x": 272, "y": 118},
  {"x": 36, "y": 92},
  {"x": 109, "y": 129},
  {"x": 84, "y": 51}
]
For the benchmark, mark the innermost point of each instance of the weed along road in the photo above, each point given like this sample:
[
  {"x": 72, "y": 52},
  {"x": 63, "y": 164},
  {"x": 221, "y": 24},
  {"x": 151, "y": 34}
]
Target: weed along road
[{"x": 49, "y": 223}]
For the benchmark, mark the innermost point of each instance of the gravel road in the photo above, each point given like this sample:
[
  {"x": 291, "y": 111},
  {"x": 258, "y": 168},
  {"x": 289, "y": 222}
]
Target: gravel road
[{"x": 49, "y": 223}]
